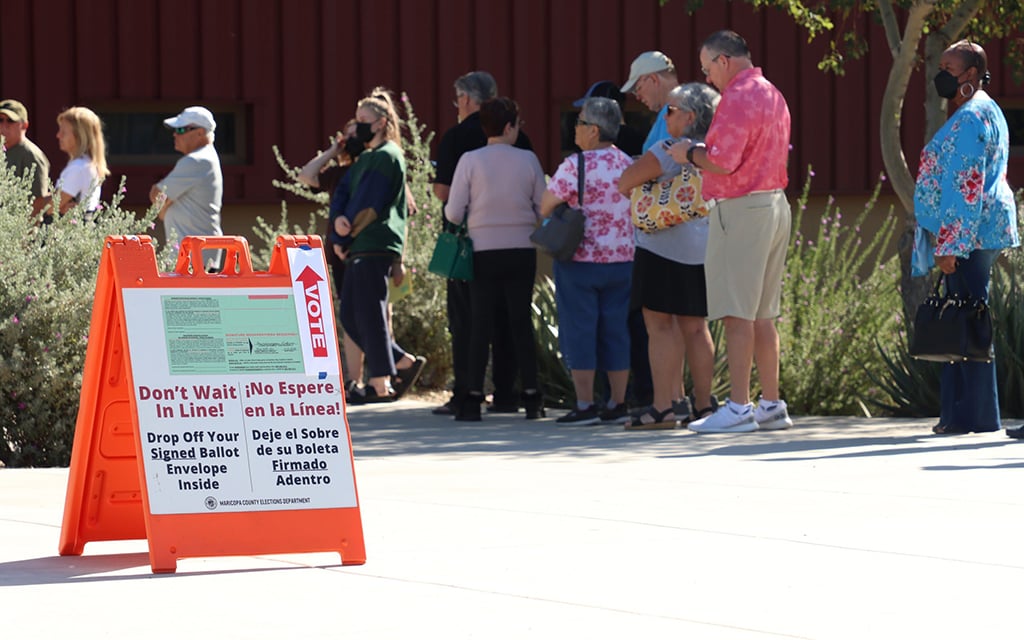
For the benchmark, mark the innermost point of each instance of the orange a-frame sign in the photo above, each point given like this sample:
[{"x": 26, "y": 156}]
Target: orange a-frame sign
[{"x": 212, "y": 418}]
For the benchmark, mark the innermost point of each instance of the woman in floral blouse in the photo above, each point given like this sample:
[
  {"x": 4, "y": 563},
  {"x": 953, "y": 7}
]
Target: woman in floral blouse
[
  {"x": 592, "y": 290},
  {"x": 963, "y": 199}
]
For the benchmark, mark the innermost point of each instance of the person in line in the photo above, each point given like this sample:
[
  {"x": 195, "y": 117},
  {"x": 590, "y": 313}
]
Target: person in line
[
  {"x": 23, "y": 154},
  {"x": 669, "y": 273},
  {"x": 651, "y": 77},
  {"x": 190, "y": 196},
  {"x": 743, "y": 162},
  {"x": 592, "y": 290},
  {"x": 368, "y": 217},
  {"x": 640, "y": 391},
  {"x": 629, "y": 141},
  {"x": 325, "y": 172},
  {"x": 80, "y": 135},
  {"x": 471, "y": 91},
  {"x": 497, "y": 189},
  {"x": 962, "y": 198}
]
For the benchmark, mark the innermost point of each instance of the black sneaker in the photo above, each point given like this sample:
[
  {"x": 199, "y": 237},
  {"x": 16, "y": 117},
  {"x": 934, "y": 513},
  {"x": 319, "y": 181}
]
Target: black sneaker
[
  {"x": 580, "y": 417},
  {"x": 618, "y": 415}
]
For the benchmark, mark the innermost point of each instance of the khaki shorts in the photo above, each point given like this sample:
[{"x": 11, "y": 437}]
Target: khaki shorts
[{"x": 747, "y": 243}]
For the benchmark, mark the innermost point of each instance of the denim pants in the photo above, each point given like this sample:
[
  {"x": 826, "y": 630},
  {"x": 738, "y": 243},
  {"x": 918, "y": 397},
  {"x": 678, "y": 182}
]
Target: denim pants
[{"x": 970, "y": 397}]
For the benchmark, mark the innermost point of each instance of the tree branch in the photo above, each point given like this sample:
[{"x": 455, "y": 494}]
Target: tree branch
[
  {"x": 959, "y": 20},
  {"x": 892, "y": 105},
  {"x": 892, "y": 28}
]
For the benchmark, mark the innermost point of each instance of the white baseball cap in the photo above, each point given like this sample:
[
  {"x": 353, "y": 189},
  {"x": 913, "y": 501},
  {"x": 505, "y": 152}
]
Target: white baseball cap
[
  {"x": 646, "y": 62},
  {"x": 196, "y": 116}
]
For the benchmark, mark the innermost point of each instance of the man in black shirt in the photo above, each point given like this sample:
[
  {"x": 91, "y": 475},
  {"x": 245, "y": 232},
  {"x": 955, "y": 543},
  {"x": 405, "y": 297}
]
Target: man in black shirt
[{"x": 472, "y": 90}]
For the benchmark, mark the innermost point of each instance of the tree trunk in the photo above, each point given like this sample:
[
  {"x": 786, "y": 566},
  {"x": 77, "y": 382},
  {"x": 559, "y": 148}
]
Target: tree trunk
[{"x": 912, "y": 290}]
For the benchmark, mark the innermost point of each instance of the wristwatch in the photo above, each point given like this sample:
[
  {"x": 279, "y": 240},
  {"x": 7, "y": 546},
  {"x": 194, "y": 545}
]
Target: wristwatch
[{"x": 689, "y": 152}]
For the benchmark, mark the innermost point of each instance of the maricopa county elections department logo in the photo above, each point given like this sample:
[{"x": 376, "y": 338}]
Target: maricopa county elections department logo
[{"x": 210, "y": 502}]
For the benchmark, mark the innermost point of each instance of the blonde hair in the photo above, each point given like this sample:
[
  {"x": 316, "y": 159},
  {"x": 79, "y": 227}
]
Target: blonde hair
[
  {"x": 381, "y": 104},
  {"x": 87, "y": 128}
]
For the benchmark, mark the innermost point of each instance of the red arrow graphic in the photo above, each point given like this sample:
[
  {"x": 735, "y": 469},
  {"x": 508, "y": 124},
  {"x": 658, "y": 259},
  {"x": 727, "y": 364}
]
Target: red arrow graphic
[{"x": 314, "y": 311}]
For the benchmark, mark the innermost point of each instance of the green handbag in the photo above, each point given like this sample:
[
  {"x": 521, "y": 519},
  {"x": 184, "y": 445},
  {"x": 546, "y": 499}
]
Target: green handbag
[{"x": 453, "y": 255}]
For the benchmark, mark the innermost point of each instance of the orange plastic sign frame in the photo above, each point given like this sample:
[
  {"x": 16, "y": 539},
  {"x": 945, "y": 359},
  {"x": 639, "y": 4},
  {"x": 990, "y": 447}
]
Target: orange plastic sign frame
[{"x": 162, "y": 462}]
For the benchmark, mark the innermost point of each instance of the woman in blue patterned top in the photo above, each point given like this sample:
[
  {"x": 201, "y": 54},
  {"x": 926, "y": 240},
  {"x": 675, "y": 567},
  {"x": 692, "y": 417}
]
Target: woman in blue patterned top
[{"x": 963, "y": 199}]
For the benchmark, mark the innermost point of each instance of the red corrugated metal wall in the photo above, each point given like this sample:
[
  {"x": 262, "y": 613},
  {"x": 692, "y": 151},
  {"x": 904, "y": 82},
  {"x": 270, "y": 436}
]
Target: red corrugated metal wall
[{"x": 299, "y": 66}]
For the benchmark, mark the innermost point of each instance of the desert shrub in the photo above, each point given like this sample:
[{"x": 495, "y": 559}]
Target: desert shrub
[
  {"x": 832, "y": 317},
  {"x": 47, "y": 284}
]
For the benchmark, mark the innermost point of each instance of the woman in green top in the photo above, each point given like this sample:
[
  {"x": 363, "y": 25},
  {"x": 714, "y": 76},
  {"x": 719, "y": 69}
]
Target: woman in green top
[{"x": 368, "y": 214}]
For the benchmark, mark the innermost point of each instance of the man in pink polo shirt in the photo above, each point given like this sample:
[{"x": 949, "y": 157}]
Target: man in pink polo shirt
[{"x": 743, "y": 164}]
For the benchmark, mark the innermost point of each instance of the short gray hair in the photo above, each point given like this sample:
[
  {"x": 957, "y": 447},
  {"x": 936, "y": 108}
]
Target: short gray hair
[
  {"x": 605, "y": 113},
  {"x": 699, "y": 99},
  {"x": 727, "y": 43},
  {"x": 480, "y": 86}
]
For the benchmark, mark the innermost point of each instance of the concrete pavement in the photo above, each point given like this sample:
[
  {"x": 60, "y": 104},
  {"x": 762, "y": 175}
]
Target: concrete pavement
[{"x": 838, "y": 528}]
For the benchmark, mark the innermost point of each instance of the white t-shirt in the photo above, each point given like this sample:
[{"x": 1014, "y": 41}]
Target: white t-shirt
[{"x": 81, "y": 181}]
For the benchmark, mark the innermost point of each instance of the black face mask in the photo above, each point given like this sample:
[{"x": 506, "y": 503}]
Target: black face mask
[
  {"x": 364, "y": 132},
  {"x": 946, "y": 84},
  {"x": 354, "y": 147}
]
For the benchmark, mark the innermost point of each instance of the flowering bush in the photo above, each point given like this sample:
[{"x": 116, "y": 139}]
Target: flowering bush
[
  {"x": 47, "y": 283},
  {"x": 833, "y": 317}
]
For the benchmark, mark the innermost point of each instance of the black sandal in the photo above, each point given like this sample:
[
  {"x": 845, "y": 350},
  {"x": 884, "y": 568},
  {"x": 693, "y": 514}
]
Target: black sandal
[
  {"x": 948, "y": 430},
  {"x": 405, "y": 378},
  {"x": 656, "y": 420}
]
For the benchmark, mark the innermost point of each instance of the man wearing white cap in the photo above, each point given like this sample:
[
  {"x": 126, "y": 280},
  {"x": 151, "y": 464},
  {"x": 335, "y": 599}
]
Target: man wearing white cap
[
  {"x": 652, "y": 76},
  {"x": 191, "y": 194}
]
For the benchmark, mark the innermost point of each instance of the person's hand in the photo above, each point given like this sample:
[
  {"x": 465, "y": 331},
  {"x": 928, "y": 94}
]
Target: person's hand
[
  {"x": 340, "y": 251},
  {"x": 342, "y": 226},
  {"x": 946, "y": 263},
  {"x": 679, "y": 149},
  {"x": 397, "y": 272}
]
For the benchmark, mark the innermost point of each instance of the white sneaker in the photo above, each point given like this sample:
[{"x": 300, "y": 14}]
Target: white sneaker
[
  {"x": 772, "y": 416},
  {"x": 727, "y": 420}
]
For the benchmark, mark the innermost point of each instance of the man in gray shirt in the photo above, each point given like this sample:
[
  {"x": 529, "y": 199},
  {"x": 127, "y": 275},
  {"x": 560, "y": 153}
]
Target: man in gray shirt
[
  {"x": 22, "y": 153},
  {"x": 190, "y": 196}
]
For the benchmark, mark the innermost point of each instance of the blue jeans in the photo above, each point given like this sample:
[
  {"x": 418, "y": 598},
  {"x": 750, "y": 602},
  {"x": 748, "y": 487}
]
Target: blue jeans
[
  {"x": 970, "y": 397},
  {"x": 593, "y": 314}
]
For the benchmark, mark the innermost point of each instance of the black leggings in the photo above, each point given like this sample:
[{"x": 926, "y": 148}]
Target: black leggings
[
  {"x": 364, "y": 312},
  {"x": 503, "y": 275}
]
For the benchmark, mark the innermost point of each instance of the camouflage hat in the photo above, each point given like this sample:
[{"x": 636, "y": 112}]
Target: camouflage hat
[{"x": 14, "y": 110}]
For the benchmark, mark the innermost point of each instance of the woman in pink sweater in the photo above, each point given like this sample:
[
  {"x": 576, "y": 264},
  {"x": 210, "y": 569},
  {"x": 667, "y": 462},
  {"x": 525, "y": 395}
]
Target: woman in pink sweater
[{"x": 497, "y": 190}]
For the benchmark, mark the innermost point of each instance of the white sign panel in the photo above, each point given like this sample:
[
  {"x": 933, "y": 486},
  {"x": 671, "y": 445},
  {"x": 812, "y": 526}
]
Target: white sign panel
[{"x": 237, "y": 411}]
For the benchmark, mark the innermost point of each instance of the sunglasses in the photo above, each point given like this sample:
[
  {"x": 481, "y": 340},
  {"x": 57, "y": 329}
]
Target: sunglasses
[{"x": 183, "y": 130}]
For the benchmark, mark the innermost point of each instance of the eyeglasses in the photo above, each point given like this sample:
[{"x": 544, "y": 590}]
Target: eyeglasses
[
  {"x": 636, "y": 87},
  {"x": 584, "y": 123},
  {"x": 183, "y": 130},
  {"x": 7, "y": 121},
  {"x": 671, "y": 108},
  {"x": 704, "y": 70}
]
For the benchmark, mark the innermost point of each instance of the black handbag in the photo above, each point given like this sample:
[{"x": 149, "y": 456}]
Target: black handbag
[
  {"x": 453, "y": 254},
  {"x": 562, "y": 232},
  {"x": 950, "y": 328}
]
